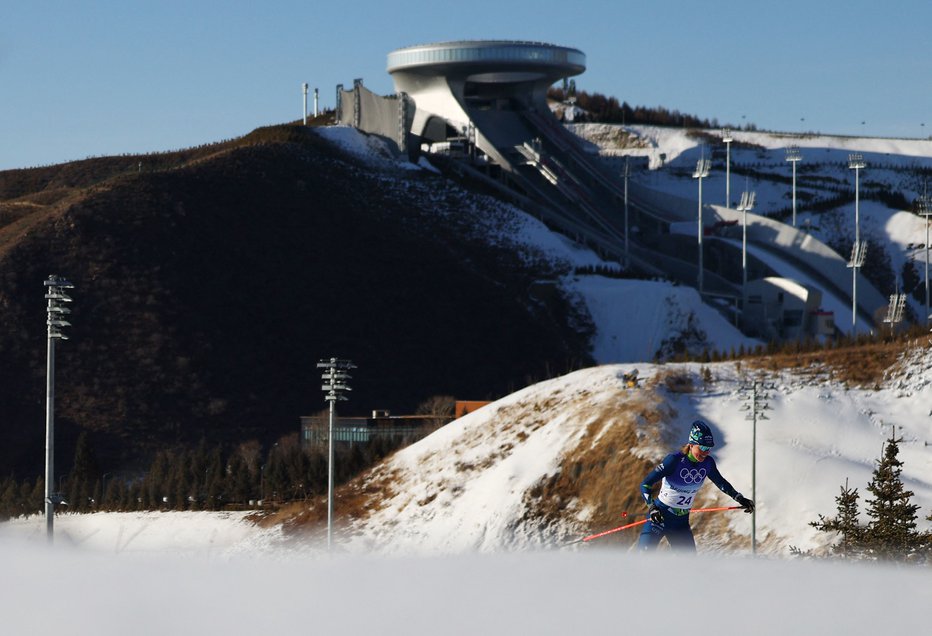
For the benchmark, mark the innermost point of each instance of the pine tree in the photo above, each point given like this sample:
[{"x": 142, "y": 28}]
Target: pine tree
[
  {"x": 845, "y": 523},
  {"x": 891, "y": 533},
  {"x": 215, "y": 484},
  {"x": 156, "y": 483}
]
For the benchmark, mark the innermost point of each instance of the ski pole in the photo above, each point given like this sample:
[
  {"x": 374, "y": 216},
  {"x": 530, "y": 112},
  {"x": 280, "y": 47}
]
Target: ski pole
[
  {"x": 613, "y": 530},
  {"x": 643, "y": 521},
  {"x": 624, "y": 515},
  {"x": 717, "y": 509}
]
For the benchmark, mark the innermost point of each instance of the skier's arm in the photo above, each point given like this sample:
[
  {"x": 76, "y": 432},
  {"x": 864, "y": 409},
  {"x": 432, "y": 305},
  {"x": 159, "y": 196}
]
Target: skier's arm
[
  {"x": 721, "y": 482},
  {"x": 658, "y": 473}
]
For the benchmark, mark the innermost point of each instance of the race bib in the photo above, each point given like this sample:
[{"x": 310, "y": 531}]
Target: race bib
[{"x": 679, "y": 490}]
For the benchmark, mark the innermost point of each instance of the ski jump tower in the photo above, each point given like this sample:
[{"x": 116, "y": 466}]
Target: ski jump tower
[{"x": 454, "y": 84}]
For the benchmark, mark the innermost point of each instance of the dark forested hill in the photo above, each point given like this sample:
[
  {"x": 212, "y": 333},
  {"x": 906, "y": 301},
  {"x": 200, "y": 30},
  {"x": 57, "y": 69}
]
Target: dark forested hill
[{"x": 209, "y": 283}]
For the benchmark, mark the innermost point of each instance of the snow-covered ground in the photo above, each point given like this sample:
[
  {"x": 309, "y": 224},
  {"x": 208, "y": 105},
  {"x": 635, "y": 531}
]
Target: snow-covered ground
[
  {"x": 65, "y": 592},
  {"x": 452, "y": 550}
]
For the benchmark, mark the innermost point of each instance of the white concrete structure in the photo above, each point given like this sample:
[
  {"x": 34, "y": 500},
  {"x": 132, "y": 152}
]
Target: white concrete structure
[
  {"x": 783, "y": 309},
  {"x": 451, "y": 83}
]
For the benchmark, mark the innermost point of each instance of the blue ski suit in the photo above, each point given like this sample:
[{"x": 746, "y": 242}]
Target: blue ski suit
[{"x": 681, "y": 477}]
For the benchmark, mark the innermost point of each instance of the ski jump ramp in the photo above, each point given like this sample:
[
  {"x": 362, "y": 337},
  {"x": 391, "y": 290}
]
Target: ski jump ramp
[{"x": 484, "y": 103}]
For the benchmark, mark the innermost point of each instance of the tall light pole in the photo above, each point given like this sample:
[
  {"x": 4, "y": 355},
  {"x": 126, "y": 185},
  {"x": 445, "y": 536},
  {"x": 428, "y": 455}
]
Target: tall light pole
[
  {"x": 626, "y": 175},
  {"x": 304, "y": 88},
  {"x": 925, "y": 209},
  {"x": 745, "y": 206},
  {"x": 727, "y": 139},
  {"x": 334, "y": 376},
  {"x": 856, "y": 163},
  {"x": 858, "y": 252},
  {"x": 55, "y": 321},
  {"x": 755, "y": 393},
  {"x": 702, "y": 171},
  {"x": 793, "y": 156},
  {"x": 895, "y": 310}
]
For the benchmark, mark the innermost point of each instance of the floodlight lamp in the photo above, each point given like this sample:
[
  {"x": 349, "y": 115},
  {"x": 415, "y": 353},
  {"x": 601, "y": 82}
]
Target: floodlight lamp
[
  {"x": 57, "y": 281},
  {"x": 856, "y": 161},
  {"x": 924, "y": 206},
  {"x": 702, "y": 169}
]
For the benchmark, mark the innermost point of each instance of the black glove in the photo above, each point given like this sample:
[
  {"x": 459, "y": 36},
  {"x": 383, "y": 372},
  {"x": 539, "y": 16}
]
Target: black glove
[
  {"x": 655, "y": 515},
  {"x": 745, "y": 503}
]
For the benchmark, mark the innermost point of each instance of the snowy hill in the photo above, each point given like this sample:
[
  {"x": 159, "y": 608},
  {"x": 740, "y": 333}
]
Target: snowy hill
[
  {"x": 896, "y": 170},
  {"x": 665, "y": 313},
  {"x": 562, "y": 458},
  {"x": 501, "y": 482}
]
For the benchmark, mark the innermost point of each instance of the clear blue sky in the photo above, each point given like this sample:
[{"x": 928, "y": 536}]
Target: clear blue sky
[{"x": 90, "y": 78}]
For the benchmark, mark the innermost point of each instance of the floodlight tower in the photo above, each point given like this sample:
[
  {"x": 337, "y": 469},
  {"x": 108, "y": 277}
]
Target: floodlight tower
[
  {"x": 627, "y": 173},
  {"x": 858, "y": 254},
  {"x": 304, "y": 88},
  {"x": 745, "y": 206},
  {"x": 55, "y": 294},
  {"x": 702, "y": 171},
  {"x": 334, "y": 376},
  {"x": 856, "y": 163},
  {"x": 727, "y": 139},
  {"x": 895, "y": 310},
  {"x": 858, "y": 251},
  {"x": 756, "y": 392},
  {"x": 925, "y": 209},
  {"x": 793, "y": 156}
]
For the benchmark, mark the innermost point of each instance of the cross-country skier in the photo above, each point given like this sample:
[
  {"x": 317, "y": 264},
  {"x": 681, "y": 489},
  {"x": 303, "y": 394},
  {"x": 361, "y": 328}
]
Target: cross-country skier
[{"x": 681, "y": 474}]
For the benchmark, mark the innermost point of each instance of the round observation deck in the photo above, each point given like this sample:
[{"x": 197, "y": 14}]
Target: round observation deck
[{"x": 489, "y": 60}]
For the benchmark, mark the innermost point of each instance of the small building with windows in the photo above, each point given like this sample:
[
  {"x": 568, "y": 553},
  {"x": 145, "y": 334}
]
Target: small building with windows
[
  {"x": 380, "y": 425},
  {"x": 778, "y": 309}
]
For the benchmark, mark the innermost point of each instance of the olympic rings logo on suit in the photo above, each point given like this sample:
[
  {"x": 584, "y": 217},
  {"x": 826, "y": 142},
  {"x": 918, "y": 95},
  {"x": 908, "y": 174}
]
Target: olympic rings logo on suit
[{"x": 692, "y": 476}]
